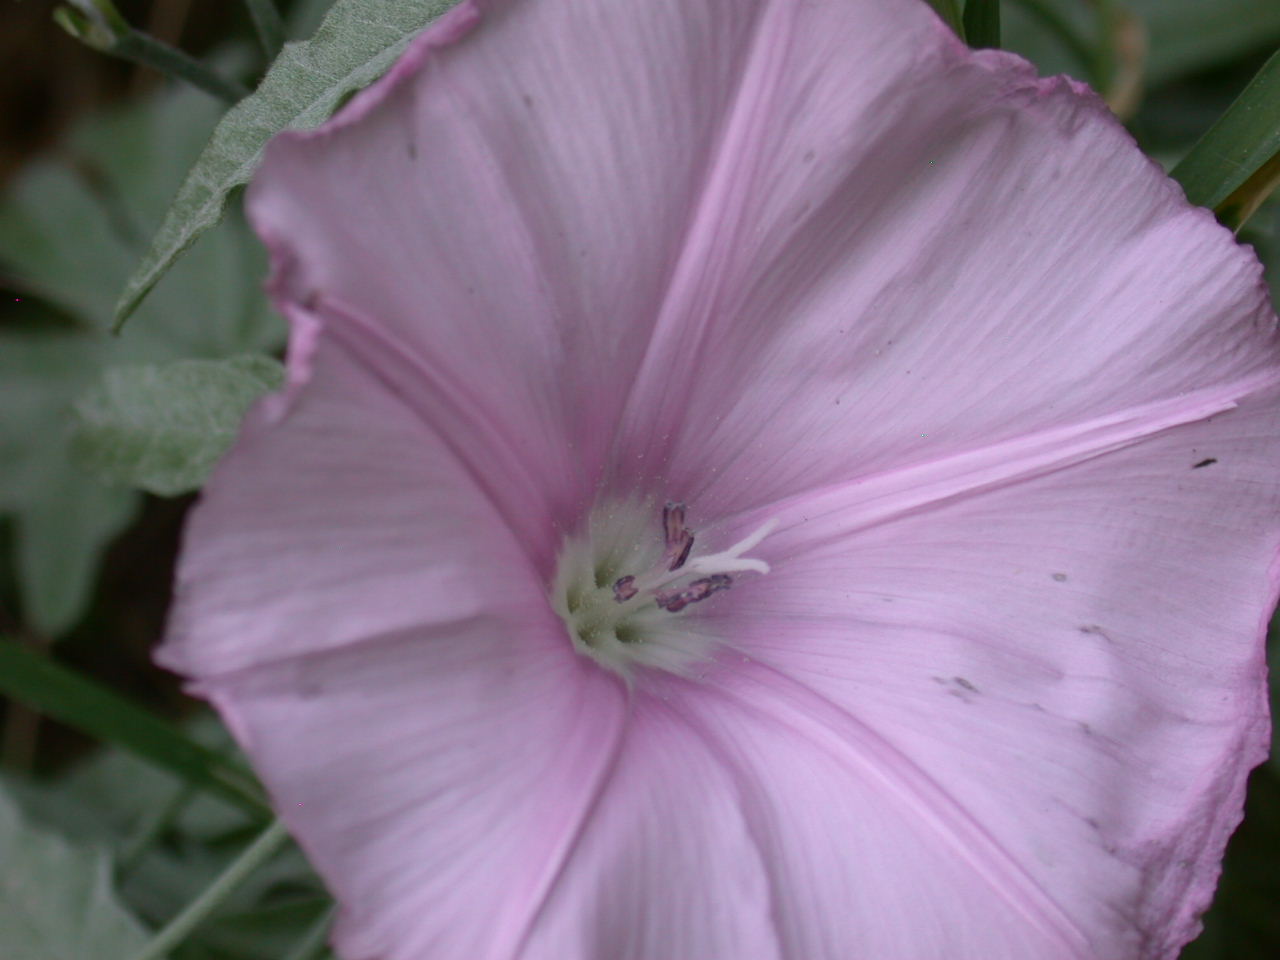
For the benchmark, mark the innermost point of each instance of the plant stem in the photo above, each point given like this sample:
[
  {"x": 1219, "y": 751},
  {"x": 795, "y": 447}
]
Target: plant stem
[
  {"x": 150, "y": 829},
  {"x": 268, "y": 843},
  {"x": 313, "y": 941},
  {"x": 63, "y": 694},
  {"x": 142, "y": 48},
  {"x": 103, "y": 29},
  {"x": 269, "y": 26}
]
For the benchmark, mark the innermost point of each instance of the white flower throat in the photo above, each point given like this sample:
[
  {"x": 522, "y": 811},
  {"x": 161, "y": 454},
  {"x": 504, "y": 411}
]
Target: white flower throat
[{"x": 623, "y": 586}]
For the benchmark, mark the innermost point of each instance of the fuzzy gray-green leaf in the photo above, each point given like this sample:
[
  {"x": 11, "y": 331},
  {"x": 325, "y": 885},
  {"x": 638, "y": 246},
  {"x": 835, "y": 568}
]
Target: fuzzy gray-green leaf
[
  {"x": 354, "y": 45},
  {"x": 56, "y": 901},
  {"x": 162, "y": 428}
]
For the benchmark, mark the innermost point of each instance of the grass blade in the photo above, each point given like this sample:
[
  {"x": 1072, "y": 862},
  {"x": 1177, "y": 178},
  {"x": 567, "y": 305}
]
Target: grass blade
[
  {"x": 1227, "y": 168},
  {"x": 79, "y": 702}
]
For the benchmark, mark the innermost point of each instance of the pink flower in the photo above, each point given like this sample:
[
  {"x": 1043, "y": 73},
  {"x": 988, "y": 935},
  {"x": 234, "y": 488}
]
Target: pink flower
[{"x": 758, "y": 481}]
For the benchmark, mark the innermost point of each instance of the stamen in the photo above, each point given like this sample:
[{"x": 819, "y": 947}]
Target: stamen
[
  {"x": 678, "y": 539},
  {"x": 697, "y": 591},
  {"x": 751, "y": 540},
  {"x": 726, "y": 561},
  {"x": 621, "y": 593},
  {"x": 672, "y": 521}
]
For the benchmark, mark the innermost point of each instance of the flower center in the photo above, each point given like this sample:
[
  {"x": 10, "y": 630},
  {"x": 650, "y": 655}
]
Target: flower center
[{"x": 622, "y": 588}]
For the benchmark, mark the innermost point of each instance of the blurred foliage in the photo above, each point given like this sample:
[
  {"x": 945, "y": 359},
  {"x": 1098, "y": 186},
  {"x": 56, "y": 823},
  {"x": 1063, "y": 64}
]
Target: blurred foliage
[
  {"x": 71, "y": 228},
  {"x": 168, "y": 843},
  {"x": 57, "y": 901},
  {"x": 122, "y": 838},
  {"x": 354, "y": 44},
  {"x": 162, "y": 428},
  {"x": 1235, "y": 166},
  {"x": 1181, "y": 37}
]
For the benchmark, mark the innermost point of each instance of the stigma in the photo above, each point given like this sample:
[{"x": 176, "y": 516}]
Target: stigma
[{"x": 623, "y": 587}]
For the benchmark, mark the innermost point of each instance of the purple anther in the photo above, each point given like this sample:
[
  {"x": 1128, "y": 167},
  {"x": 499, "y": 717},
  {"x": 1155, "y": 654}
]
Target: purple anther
[
  {"x": 672, "y": 521},
  {"x": 678, "y": 539},
  {"x": 674, "y": 557},
  {"x": 624, "y": 588},
  {"x": 694, "y": 592}
]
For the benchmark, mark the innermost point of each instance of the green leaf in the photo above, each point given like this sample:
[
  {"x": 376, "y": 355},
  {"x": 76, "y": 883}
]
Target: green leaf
[
  {"x": 112, "y": 798},
  {"x": 63, "y": 517},
  {"x": 61, "y": 538},
  {"x": 111, "y": 795},
  {"x": 56, "y": 901},
  {"x": 71, "y": 227},
  {"x": 354, "y": 45},
  {"x": 65, "y": 695},
  {"x": 982, "y": 23},
  {"x": 162, "y": 428},
  {"x": 305, "y": 15},
  {"x": 1236, "y": 149}
]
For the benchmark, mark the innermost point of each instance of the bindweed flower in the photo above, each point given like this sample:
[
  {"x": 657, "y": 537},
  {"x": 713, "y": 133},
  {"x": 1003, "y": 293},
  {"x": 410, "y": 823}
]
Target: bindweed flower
[{"x": 757, "y": 481}]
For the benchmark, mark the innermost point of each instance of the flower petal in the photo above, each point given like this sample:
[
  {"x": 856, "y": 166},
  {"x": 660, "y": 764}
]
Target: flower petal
[
  {"x": 1074, "y": 658},
  {"x": 514, "y": 198},
  {"x": 816, "y": 257},
  {"x": 434, "y": 776},
  {"x": 666, "y": 866},
  {"x": 633, "y": 212},
  {"x": 744, "y": 822},
  {"x": 925, "y": 251},
  {"x": 866, "y": 855},
  {"x": 338, "y": 515}
]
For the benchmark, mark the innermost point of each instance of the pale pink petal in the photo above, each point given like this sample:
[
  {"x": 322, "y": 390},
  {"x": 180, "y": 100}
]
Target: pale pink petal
[
  {"x": 1073, "y": 659},
  {"x": 815, "y": 260},
  {"x": 666, "y": 864},
  {"x": 644, "y": 208},
  {"x": 923, "y": 251},
  {"x": 338, "y": 515},
  {"x": 508, "y": 207},
  {"x": 866, "y": 854},
  {"x": 435, "y": 776}
]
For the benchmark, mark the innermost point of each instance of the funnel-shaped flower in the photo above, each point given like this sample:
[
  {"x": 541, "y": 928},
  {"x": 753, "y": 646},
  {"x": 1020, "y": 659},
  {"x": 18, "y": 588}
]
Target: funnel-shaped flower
[{"x": 758, "y": 481}]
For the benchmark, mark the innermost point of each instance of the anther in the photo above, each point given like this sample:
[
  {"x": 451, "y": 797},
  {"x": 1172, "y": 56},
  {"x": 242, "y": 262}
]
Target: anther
[
  {"x": 634, "y": 619},
  {"x": 697, "y": 591},
  {"x": 677, "y": 538}
]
